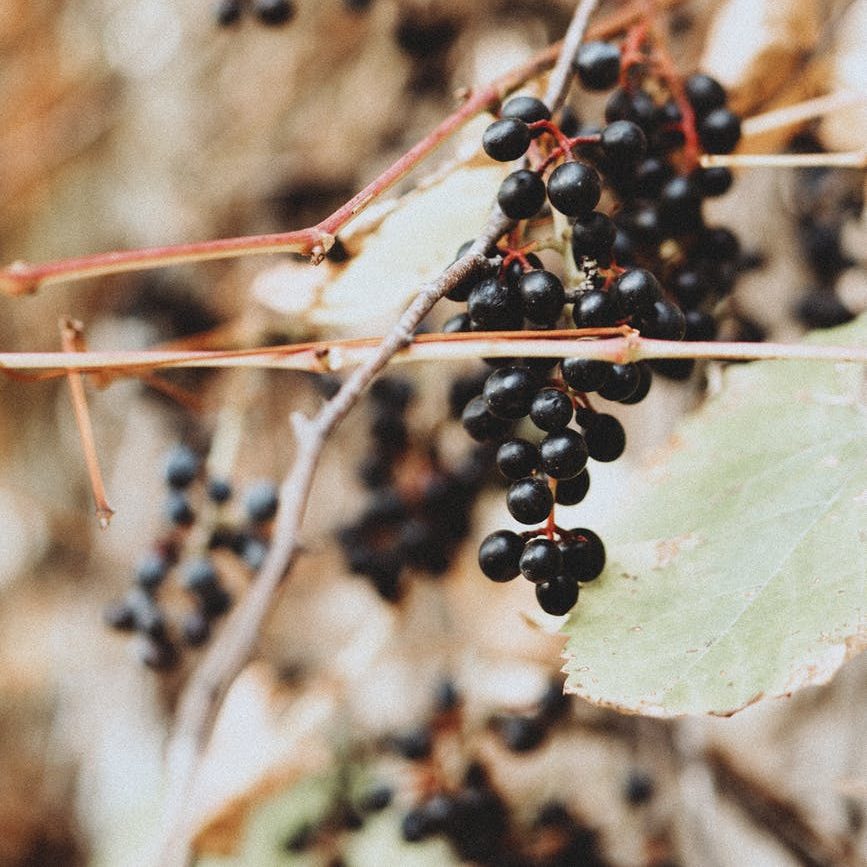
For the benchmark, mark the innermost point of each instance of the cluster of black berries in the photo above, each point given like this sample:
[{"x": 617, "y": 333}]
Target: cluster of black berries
[
  {"x": 824, "y": 200},
  {"x": 418, "y": 510},
  {"x": 247, "y": 539},
  {"x": 651, "y": 263}
]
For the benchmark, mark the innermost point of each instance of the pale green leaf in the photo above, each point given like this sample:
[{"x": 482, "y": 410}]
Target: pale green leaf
[{"x": 738, "y": 569}]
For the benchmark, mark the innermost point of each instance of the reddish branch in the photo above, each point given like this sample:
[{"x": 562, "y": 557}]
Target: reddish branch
[{"x": 22, "y": 278}]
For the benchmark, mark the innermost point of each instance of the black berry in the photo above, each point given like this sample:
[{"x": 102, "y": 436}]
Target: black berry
[
  {"x": 574, "y": 490},
  {"x": 260, "y": 502},
  {"x": 541, "y": 560},
  {"x": 636, "y": 291},
  {"x": 704, "y": 93},
  {"x": 597, "y": 65},
  {"x": 481, "y": 424},
  {"x": 605, "y": 437},
  {"x": 543, "y": 296},
  {"x": 182, "y": 466},
  {"x": 529, "y": 501},
  {"x": 273, "y": 12},
  {"x": 585, "y": 374},
  {"x": 574, "y": 188},
  {"x": 521, "y": 194},
  {"x": 623, "y": 142},
  {"x": 595, "y": 309},
  {"x": 509, "y": 391},
  {"x": 526, "y": 108},
  {"x": 592, "y": 238},
  {"x": 564, "y": 454},
  {"x": 500, "y": 554},
  {"x": 494, "y": 306},
  {"x": 551, "y": 409},
  {"x": 507, "y": 139},
  {"x": 720, "y": 131},
  {"x": 557, "y": 596},
  {"x": 516, "y": 459}
]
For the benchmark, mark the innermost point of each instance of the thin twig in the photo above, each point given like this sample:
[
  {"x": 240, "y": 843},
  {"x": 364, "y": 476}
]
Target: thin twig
[
  {"x": 778, "y": 816},
  {"x": 72, "y": 340},
  {"x": 230, "y": 651},
  {"x": 22, "y": 278},
  {"x": 849, "y": 160},
  {"x": 794, "y": 114},
  {"x": 561, "y": 75},
  {"x": 338, "y": 355}
]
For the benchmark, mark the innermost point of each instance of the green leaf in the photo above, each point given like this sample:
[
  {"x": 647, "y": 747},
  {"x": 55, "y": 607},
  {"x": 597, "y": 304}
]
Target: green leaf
[{"x": 738, "y": 569}]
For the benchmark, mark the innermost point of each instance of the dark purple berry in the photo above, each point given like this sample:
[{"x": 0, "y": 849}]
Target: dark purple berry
[
  {"x": 506, "y": 139},
  {"x": 557, "y": 596},
  {"x": 583, "y": 555},
  {"x": 260, "y": 501},
  {"x": 644, "y": 383},
  {"x": 574, "y": 188},
  {"x": 623, "y": 380},
  {"x": 509, "y": 392},
  {"x": 605, "y": 437},
  {"x": 529, "y": 501},
  {"x": 595, "y": 309},
  {"x": 551, "y": 409},
  {"x": 517, "y": 459},
  {"x": 574, "y": 490},
  {"x": 564, "y": 454},
  {"x": 481, "y": 424},
  {"x": 720, "y": 131},
  {"x": 664, "y": 322},
  {"x": 623, "y": 142},
  {"x": 521, "y": 194},
  {"x": 541, "y": 560},
  {"x": 500, "y": 554},
  {"x": 182, "y": 466},
  {"x": 526, "y": 108},
  {"x": 597, "y": 65},
  {"x": 636, "y": 291},
  {"x": 704, "y": 93},
  {"x": 592, "y": 238},
  {"x": 273, "y": 12},
  {"x": 543, "y": 296},
  {"x": 495, "y": 306},
  {"x": 585, "y": 374}
]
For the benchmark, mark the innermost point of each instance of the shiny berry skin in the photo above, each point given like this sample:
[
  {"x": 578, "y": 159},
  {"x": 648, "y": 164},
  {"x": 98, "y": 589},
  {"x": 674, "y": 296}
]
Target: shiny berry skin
[
  {"x": 623, "y": 142},
  {"x": 664, "y": 322},
  {"x": 597, "y": 65},
  {"x": 574, "y": 490},
  {"x": 500, "y": 554},
  {"x": 529, "y": 501},
  {"x": 273, "y": 12},
  {"x": 585, "y": 374},
  {"x": 261, "y": 501},
  {"x": 551, "y": 409},
  {"x": 515, "y": 269},
  {"x": 517, "y": 458},
  {"x": 481, "y": 424},
  {"x": 541, "y": 560},
  {"x": 583, "y": 555},
  {"x": 704, "y": 93},
  {"x": 644, "y": 382},
  {"x": 679, "y": 206},
  {"x": 714, "y": 181},
  {"x": 691, "y": 286},
  {"x": 574, "y": 188},
  {"x": 720, "y": 131},
  {"x": 509, "y": 392},
  {"x": 651, "y": 174},
  {"x": 557, "y": 596},
  {"x": 595, "y": 309},
  {"x": 542, "y": 295},
  {"x": 526, "y": 108},
  {"x": 638, "y": 107},
  {"x": 494, "y": 306},
  {"x": 636, "y": 291},
  {"x": 564, "y": 454},
  {"x": 506, "y": 139},
  {"x": 592, "y": 237},
  {"x": 521, "y": 194},
  {"x": 457, "y": 324},
  {"x": 605, "y": 437},
  {"x": 623, "y": 380},
  {"x": 700, "y": 325}
]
